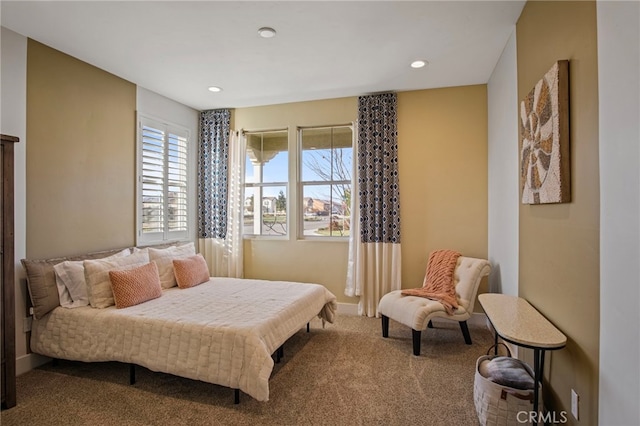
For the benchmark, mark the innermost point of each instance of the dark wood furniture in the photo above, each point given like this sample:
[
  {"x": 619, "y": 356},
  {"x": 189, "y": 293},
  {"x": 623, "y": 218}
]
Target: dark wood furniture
[{"x": 7, "y": 294}]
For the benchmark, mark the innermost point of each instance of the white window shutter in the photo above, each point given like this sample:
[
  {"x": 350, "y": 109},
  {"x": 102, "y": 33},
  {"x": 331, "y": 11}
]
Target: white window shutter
[
  {"x": 162, "y": 182},
  {"x": 177, "y": 218}
]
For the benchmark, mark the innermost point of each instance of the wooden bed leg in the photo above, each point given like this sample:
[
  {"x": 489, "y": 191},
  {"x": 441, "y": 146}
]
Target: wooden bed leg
[
  {"x": 236, "y": 396},
  {"x": 132, "y": 374}
]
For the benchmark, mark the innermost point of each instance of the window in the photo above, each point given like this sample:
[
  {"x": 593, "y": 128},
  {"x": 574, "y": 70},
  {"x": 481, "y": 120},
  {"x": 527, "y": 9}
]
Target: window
[
  {"x": 162, "y": 207},
  {"x": 322, "y": 188},
  {"x": 325, "y": 178},
  {"x": 266, "y": 181}
]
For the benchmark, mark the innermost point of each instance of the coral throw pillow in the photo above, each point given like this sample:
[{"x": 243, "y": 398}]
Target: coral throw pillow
[
  {"x": 96, "y": 273},
  {"x": 164, "y": 258},
  {"x": 134, "y": 286},
  {"x": 191, "y": 271}
]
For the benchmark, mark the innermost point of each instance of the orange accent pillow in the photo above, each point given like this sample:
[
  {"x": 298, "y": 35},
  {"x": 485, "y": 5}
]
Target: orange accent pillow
[
  {"x": 134, "y": 286},
  {"x": 191, "y": 271}
]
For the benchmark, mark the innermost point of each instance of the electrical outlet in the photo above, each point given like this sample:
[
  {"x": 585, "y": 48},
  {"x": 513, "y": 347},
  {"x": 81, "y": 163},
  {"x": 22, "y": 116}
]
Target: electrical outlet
[
  {"x": 26, "y": 324},
  {"x": 575, "y": 401}
]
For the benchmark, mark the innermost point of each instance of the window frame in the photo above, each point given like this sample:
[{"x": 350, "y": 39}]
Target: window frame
[
  {"x": 261, "y": 185},
  {"x": 168, "y": 128},
  {"x": 300, "y": 183}
]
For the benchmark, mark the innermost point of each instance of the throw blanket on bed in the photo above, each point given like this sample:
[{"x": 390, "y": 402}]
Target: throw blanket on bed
[{"x": 438, "y": 281}]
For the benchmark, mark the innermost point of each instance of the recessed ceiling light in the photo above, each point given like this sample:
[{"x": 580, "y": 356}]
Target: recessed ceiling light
[
  {"x": 267, "y": 32},
  {"x": 418, "y": 64},
  {"x": 215, "y": 89}
]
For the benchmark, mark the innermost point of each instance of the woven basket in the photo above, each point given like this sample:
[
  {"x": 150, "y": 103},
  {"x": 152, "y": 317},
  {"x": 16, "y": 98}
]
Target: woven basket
[{"x": 499, "y": 405}]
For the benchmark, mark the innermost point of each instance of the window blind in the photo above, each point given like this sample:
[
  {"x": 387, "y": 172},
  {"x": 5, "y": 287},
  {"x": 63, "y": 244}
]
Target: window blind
[{"x": 162, "y": 176}]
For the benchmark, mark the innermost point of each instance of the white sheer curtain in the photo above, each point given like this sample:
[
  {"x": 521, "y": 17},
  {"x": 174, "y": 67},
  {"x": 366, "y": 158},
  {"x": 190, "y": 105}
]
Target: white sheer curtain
[
  {"x": 224, "y": 256},
  {"x": 374, "y": 266}
]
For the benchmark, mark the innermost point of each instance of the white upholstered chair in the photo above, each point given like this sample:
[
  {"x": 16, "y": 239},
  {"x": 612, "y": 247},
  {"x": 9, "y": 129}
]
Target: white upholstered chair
[{"x": 417, "y": 312}]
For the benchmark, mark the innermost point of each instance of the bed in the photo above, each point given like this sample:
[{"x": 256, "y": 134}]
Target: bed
[{"x": 223, "y": 331}]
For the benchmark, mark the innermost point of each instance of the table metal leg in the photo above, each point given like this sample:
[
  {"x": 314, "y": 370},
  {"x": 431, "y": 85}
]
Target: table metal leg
[{"x": 538, "y": 371}]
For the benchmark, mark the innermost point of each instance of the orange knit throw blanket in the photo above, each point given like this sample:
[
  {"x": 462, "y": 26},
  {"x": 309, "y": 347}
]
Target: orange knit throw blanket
[{"x": 438, "y": 281}]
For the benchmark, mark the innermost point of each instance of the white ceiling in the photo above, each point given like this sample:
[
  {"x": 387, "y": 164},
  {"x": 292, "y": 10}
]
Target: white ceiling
[{"x": 323, "y": 49}]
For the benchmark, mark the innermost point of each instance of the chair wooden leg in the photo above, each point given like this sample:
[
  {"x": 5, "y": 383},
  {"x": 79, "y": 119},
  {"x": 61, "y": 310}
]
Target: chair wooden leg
[
  {"x": 465, "y": 332},
  {"x": 417, "y": 334},
  {"x": 385, "y": 326}
]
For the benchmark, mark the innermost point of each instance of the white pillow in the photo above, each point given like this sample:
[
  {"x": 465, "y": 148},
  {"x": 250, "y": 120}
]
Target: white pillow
[
  {"x": 164, "y": 259},
  {"x": 72, "y": 287},
  {"x": 96, "y": 272}
]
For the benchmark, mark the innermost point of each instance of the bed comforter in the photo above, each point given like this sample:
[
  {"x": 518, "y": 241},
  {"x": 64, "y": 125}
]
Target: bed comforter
[{"x": 223, "y": 331}]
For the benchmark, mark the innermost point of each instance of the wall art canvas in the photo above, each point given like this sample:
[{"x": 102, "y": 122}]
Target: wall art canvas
[{"x": 544, "y": 133}]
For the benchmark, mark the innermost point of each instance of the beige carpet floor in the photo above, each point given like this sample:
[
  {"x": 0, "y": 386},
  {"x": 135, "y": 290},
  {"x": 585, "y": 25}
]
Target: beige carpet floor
[{"x": 344, "y": 374}]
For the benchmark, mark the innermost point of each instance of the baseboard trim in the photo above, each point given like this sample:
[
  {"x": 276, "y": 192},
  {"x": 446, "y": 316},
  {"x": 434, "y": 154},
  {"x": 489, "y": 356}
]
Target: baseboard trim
[
  {"x": 482, "y": 320},
  {"x": 348, "y": 308},
  {"x": 28, "y": 362},
  {"x": 479, "y": 319}
]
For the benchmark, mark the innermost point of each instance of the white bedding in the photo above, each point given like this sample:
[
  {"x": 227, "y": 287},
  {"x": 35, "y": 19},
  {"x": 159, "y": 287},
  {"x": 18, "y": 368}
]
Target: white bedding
[{"x": 223, "y": 331}]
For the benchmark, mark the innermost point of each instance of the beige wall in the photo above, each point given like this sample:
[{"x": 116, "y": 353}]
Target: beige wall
[
  {"x": 559, "y": 243},
  {"x": 80, "y": 156},
  {"x": 443, "y": 184},
  {"x": 442, "y": 144},
  {"x": 81, "y": 170},
  {"x": 322, "y": 262}
]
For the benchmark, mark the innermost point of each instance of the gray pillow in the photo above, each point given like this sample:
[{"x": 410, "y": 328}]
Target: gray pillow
[{"x": 41, "y": 282}]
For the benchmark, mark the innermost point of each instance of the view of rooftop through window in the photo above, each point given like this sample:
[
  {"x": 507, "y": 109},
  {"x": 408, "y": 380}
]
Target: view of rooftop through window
[
  {"x": 324, "y": 175},
  {"x": 325, "y": 170},
  {"x": 266, "y": 179}
]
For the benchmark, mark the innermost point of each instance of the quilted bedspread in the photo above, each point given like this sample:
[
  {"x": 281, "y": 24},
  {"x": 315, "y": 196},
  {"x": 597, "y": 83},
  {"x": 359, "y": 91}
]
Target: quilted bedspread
[{"x": 223, "y": 331}]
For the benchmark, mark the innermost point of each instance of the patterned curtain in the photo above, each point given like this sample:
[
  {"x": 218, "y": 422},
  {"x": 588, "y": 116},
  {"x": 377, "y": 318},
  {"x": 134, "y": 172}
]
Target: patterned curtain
[
  {"x": 220, "y": 198},
  {"x": 212, "y": 173},
  {"x": 374, "y": 267}
]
